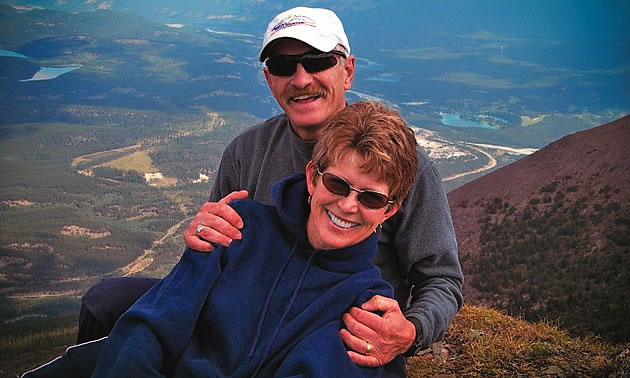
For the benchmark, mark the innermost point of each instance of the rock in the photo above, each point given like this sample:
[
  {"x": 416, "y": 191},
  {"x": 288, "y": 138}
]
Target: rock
[{"x": 554, "y": 370}]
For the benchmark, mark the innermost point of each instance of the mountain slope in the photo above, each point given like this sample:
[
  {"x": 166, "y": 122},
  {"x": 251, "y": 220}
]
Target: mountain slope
[{"x": 548, "y": 236}]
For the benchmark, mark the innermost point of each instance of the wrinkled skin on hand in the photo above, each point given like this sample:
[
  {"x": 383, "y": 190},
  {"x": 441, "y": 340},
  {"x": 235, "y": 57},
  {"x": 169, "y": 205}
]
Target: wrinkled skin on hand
[
  {"x": 222, "y": 224},
  {"x": 390, "y": 334}
]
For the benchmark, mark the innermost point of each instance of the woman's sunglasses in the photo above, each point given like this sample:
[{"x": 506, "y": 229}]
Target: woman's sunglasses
[
  {"x": 286, "y": 65},
  {"x": 368, "y": 198}
]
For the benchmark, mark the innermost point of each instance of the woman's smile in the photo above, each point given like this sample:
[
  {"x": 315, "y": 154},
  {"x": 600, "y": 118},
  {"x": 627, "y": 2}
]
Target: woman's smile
[{"x": 337, "y": 221}]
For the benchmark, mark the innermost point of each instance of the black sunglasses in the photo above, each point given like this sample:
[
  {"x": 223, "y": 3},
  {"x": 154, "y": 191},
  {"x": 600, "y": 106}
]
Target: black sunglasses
[
  {"x": 338, "y": 186},
  {"x": 286, "y": 65}
]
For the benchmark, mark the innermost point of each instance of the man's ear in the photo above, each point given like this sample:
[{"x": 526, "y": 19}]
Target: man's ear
[
  {"x": 266, "y": 72},
  {"x": 269, "y": 78},
  {"x": 310, "y": 171},
  {"x": 349, "y": 68}
]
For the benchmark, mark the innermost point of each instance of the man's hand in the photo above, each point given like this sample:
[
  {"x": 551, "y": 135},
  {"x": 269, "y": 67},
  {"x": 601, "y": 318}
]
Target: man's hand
[
  {"x": 216, "y": 222},
  {"x": 388, "y": 335}
]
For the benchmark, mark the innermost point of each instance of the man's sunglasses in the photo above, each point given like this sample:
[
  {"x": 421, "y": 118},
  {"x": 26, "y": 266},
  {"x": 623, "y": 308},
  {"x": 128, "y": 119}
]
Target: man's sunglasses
[
  {"x": 286, "y": 65},
  {"x": 368, "y": 198}
]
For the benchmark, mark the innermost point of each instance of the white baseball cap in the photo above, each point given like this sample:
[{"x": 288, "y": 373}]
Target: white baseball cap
[{"x": 317, "y": 27}]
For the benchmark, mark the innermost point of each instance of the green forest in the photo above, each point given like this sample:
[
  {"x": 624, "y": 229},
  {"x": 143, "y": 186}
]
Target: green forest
[
  {"x": 545, "y": 262},
  {"x": 69, "y": 219}
]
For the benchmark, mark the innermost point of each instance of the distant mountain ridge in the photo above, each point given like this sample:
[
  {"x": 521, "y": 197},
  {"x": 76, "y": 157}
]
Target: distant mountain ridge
[{"x": 549, "y": 235}]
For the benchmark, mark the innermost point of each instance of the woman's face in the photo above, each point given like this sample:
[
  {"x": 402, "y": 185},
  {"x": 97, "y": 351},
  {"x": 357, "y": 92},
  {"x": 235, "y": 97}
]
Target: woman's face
[{"x": 336, "y": 221}]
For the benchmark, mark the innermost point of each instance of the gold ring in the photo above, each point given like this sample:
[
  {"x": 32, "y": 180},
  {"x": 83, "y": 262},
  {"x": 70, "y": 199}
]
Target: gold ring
[{"x": 368, "y": 348}]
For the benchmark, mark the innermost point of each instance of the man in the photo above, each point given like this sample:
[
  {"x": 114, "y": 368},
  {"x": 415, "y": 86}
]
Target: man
[{"x": 308, "y": 68}]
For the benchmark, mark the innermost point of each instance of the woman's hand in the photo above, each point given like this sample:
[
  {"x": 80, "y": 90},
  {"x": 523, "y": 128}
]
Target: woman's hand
[
  {"x": 387, "y": 335},
  {"x": 216, "y": 222}
]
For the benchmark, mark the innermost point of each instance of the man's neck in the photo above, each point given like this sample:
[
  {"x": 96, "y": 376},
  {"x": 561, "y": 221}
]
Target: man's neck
[{"x": 310, "y": 133}]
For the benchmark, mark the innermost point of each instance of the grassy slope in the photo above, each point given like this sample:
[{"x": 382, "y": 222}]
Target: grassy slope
[{"x": 484, "y": 342}]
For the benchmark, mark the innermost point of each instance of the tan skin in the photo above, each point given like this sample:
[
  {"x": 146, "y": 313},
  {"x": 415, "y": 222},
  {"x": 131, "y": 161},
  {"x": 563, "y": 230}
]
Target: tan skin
[
  {"x": 309, "y": 100},
  {"x": 323, "y": 233}
]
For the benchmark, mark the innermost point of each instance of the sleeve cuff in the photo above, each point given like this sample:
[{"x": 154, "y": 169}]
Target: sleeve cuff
[{"x": 417, "y": 342}]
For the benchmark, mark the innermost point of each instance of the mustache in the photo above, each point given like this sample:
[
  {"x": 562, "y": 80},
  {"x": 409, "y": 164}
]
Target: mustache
[{"x": 311, "y": 90}]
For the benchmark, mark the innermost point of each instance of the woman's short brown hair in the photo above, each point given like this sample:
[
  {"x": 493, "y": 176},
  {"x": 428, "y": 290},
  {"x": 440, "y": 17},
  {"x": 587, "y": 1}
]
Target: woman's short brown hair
[{"x": 380, "y": 137}]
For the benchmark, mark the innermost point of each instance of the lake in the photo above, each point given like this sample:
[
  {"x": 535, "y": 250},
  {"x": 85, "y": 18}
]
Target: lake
[
  {"x": 454, "y": 120},
  {"x": 49, "y": 73},
  {"x": 11, "y": 54}
]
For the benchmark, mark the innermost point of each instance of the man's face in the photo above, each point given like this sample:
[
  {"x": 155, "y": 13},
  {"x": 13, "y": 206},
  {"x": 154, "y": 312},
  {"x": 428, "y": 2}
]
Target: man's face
[{"x": 309, "y": 99}]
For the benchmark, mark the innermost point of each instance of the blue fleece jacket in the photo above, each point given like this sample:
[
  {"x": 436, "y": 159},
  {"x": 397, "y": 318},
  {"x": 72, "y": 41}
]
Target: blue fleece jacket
[{"x": 269, "y": 305}]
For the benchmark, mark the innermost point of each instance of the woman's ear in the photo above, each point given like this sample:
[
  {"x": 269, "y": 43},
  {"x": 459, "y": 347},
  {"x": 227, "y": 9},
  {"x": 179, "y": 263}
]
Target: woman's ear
[
  {"x": 391, "y": 210},
  {"x": 310, "y": 171}
]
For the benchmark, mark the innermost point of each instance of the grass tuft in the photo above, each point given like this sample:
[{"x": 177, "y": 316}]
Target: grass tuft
[{"x": 484, "y": 342}]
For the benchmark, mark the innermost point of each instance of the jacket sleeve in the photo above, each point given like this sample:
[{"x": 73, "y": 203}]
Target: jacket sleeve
[
  {"x": 374, "y": 285},
  {"x": 157, "y": 328},
  {"x": 322, "y": 354},
  {"x": 427, "y": 248}
]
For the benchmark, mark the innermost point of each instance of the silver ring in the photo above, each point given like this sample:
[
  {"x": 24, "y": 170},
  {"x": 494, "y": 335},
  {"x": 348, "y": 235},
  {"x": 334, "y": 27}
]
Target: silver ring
[{"x": 200, "y": 228}]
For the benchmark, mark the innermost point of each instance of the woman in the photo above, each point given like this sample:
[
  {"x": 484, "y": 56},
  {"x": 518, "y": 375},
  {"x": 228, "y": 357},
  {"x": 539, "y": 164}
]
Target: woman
[{"x": 271, "y": 304}]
